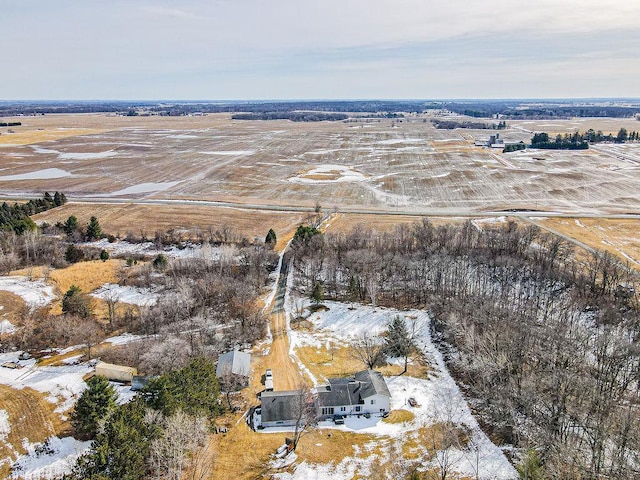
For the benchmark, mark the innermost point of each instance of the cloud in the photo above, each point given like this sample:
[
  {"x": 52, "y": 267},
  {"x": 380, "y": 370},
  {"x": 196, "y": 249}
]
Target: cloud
[
  {"x": 168, "y": 12},
  {"x": 338, "y": 48}
]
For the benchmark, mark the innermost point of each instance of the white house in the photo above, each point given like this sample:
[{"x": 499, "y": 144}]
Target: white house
[{"x": 365, "y": 392}]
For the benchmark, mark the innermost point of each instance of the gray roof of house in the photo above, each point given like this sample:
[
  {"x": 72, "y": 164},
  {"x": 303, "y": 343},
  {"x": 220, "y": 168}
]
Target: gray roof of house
[
  {"x": 339, "y": 391},
  {"x": 372, "y": 383},
  {"x": 280, "y": 406},
  {"x": 238, "y": 363},
  {"x": 352, "y": 391}
]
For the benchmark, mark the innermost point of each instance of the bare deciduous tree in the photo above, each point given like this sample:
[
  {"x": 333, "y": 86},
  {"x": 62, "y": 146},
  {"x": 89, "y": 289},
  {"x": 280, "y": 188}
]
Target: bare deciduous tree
[
  {"x": 368, "y": 349},
  {"x": 171, "y": 454},
  {"x": 305, "y": 413}
]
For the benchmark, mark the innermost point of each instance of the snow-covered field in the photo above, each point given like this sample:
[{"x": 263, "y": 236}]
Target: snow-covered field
[
  {"x": 50, "y": 461},
  {"x": 149, "y": 249},
  {"x": 439, "y": 398},
  {"x": 127, "y": 294},
  {"x": 61, "y": 384},
  {"x": 35, "y": 293}
]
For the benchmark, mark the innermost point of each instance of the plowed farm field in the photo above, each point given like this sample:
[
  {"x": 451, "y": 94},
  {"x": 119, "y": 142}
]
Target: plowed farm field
[
  {"x": 158, "y": 173},
  {"x": 377, "y": 164}
]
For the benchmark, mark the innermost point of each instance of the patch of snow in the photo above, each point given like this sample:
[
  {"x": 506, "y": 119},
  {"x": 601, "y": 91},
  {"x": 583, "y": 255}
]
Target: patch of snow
[
  {"x": 149, "y": 249},
  {"x": 395, "y": 141},
  {"x": 5, "y": 426},
  {"x": 230, "y": 152},
  {"x": 125, "y": 394},
  {"x": 74, "y": 360},
  {"x": 145, "y": 188},
  {"x": 86, "y": 155},
  {"x": 50, "y": 463},
  {"x": 334, "y": 174},
  {"x": 181, "y": 136},
  {"x": 323, "y": 152},
  {"x": 6, "y": 327},
  {"x": 35, "y": 293},
  {"x": 127, "y": 294},
  {"x": 44, "y": 174},
  {"x": 44, "y": 151},
  {"x": 62, "y": 384},
  {"x": 124, "y": 339}
]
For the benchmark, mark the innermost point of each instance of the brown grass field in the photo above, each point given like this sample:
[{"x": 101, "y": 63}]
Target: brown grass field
[
  {"x": 120, "y": 219},
  {"x": 30, "y": 417},
  {"x": 620, "y": 237}
]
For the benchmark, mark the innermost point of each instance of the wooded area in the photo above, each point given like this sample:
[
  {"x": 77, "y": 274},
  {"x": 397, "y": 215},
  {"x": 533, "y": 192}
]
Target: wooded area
[{"x": 543, "y": 341}]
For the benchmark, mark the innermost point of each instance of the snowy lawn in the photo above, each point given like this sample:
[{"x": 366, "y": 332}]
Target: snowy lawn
[
  {"x": 50, "y": 460},
  {"x": 439, "y": 399}
]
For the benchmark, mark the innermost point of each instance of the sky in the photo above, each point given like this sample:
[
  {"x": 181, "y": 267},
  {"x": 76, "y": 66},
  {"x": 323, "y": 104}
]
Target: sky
[{"x": 318, "y": 49}]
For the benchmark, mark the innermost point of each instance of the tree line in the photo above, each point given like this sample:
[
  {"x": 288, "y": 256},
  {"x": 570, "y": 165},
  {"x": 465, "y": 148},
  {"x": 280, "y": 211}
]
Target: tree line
[
  {"x": 16, "y": 217},
  {"x": 293, "y": 116},
  {"x": 544, "y": 342},
  {"x": 452, "y": 124},
  {"x": 578, "y": 141}
]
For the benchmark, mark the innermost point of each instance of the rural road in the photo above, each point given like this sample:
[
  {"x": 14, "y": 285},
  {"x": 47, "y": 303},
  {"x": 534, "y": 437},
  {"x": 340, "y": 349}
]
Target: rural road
[
  {"x": 416, "y": 211},
  {"x": 286, "y": 375},
  {"x": 390, "y": 210}
]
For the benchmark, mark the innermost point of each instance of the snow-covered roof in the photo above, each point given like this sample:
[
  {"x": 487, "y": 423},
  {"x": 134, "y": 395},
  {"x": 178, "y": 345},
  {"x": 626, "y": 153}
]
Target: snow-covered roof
[{"x": 236, "y": 362}]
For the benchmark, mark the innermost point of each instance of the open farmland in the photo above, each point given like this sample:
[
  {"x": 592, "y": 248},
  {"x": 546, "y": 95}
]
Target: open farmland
[
  {"x": 394, "y": 165},
  {"x": 123, "y": 218}
]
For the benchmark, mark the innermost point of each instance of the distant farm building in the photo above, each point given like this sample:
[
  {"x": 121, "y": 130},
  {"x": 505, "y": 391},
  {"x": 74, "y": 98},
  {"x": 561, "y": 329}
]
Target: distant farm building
[
  {"x": 494, "y": 142},
  {"x": 118, "y": 373}
]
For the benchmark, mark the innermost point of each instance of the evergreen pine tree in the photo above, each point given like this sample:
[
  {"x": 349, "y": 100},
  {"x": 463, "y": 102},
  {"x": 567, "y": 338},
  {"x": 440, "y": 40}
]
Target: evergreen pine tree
[
  {"x": 317, "y": 294},
  {"x": 160, "y": 262},
  {"x": 75, "y": 302},
  {"x": 93, "y": 406},
  {"x": 398, "y": 342},
  {"x": 121, "y": 450},
  {"x": 71, "y": 225},
  {"x": 529, "y": 468},
  {"x": 270, "y": 239},
  {"x": 104, "y": 255},
  {"x": 93, "y": 229}
]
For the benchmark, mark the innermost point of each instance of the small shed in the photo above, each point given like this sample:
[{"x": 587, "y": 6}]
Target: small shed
[
  {"x": 234, "y": 362},
  {"x": 118, "y": 373},
  {"x": 138, "y": 382}
]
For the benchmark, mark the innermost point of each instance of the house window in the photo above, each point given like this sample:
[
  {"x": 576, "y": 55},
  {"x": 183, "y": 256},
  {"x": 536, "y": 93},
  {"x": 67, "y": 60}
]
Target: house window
[
  {"x": 342, "y": 409},
  {"x": 373, "y": 401},
  {"x": 358, "y": 408},
  {"x": 327, "y": 410}
]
